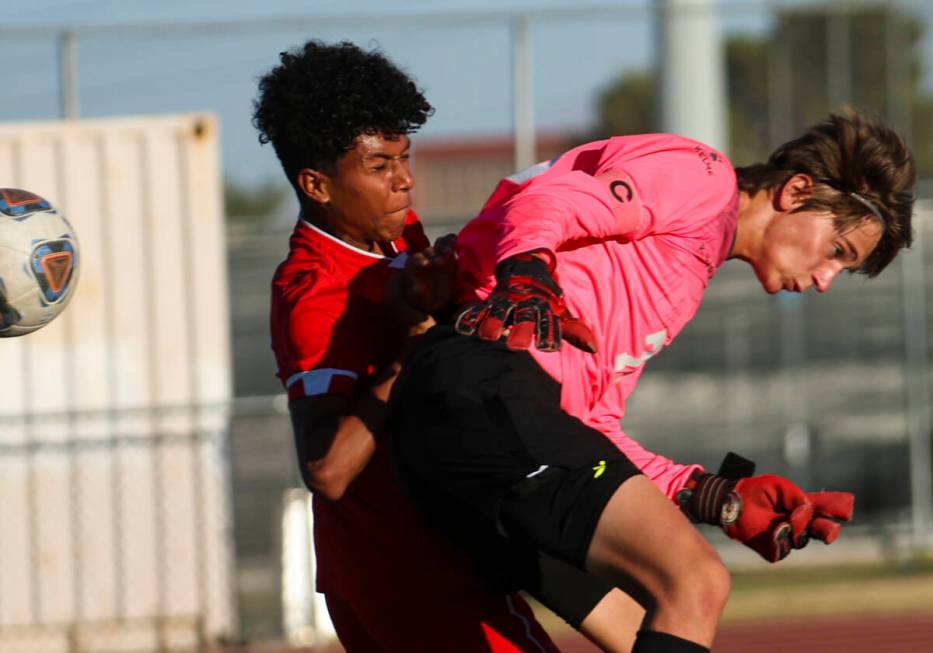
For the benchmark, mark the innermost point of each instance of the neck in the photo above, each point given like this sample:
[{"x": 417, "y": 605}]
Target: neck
[
  {"x": 324, "y": 221},
  {"x": 754, "y": 211}
]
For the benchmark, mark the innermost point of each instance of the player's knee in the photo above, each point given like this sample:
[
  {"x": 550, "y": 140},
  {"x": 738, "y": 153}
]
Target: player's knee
[
  {"x": 709, "y": 585},
  {"x": 714, "y": 583},
  {"x": 699, "y": 588}
]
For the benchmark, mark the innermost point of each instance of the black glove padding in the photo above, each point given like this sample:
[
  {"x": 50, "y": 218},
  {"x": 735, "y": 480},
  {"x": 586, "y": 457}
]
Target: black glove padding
[{"x": 529, "y": 304}]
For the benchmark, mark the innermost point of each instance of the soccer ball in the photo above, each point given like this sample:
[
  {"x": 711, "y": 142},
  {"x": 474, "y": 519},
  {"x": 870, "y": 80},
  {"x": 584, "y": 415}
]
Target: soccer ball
[{"x": 38, "y": 262}]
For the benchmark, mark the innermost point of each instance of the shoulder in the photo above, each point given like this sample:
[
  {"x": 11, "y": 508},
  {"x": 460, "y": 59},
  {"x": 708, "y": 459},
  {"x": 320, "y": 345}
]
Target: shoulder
[
  {"x": 308, "y": 288},
  {"x": 317, "y": 263},
  {"x": 301, "y": 275},
  {"x": 676, "y": 153},
  {"x": 680, "y": 182}
]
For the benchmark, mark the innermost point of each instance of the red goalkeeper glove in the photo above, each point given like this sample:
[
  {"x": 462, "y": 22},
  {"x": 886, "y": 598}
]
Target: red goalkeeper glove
[
  {"x": 767, "y": 513},
  {"x": 529, "y": 303}
]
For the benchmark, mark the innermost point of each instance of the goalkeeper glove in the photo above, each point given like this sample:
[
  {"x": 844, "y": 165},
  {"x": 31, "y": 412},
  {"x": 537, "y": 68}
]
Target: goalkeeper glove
[
  {"x": 529, "y": 303},
  {"x": 767, "y": 513}
]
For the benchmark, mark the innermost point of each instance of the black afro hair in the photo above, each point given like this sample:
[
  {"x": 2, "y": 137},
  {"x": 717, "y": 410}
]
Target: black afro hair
[{"x": 314, "y": 105}]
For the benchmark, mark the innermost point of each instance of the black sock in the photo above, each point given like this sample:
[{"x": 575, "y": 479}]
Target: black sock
[{"x": 651, "y": 641}]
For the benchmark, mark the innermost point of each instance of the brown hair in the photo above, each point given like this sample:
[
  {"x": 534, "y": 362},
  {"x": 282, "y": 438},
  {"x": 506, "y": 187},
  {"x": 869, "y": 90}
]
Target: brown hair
[{"x": 853, "y": 158}]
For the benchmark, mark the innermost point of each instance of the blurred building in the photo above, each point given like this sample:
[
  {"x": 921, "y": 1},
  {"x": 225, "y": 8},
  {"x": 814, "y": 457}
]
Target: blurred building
[{"x": 456, "y": 175}]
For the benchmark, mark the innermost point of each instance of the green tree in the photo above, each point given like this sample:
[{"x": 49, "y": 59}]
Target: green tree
[
  {"x": 253, "y": 203},
  {"x": 796, "y": 66},
  {"x": 627, "y": 106}
]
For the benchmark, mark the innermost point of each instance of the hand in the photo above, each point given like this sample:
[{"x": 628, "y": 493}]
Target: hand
[
  {"x": 423, "y": 286},
  {"x": 430, "y": 275},
  {"x": 767, "y": 513},
  {"x": 527, "y": 303}
]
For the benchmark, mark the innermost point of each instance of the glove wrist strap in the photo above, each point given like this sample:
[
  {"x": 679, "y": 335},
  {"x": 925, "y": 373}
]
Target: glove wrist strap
[
  {"x": 708, "y": 498},
  {"x": 537, "y": 264}
]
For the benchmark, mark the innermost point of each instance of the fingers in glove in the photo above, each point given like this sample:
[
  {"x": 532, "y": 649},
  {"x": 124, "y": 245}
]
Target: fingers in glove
[
  {"x": 776, "y": 492},
  {"x": 577, "y": 333},
  {"x": 548, "y": 330},
  {"x": 784, "y": 540},
  {"x": 789, "y": 494},
  {"x": 774, "y": 543},
  {"x": 781, "y": 542},
  {"x": 800, "y": 520},
  {"x": 526, "y": 320},
  {"x": 490, "y": 328},
  {"x": 838, "y": 505},
  {"x": 470, "y": 318},
  {"x": 522, "y": 331},
  {"x": 825, "y": 529},
  {"x": 494, "y": 321}
]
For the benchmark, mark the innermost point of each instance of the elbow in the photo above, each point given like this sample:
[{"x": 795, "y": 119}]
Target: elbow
[{"x": 324, "y": 481}]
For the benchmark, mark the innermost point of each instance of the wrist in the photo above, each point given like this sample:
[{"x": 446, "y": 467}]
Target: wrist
[
  {"x": 420, "y": 328},
  {"x": 533, "y": 269},
  {"x": 546, "y": 256},
  {"x": 709, "y": 499},
  {"x": 539, "y": 260}
]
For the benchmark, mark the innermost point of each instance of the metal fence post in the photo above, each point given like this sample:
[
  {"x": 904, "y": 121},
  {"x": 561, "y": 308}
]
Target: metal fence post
[
  {"x": 523, "y": 93},
  {"x": 838, "y": 57},
  {"x": 68, "y": 74},
  {"x": 692, "y": 67},
  {"x": 917, "y": 389}
]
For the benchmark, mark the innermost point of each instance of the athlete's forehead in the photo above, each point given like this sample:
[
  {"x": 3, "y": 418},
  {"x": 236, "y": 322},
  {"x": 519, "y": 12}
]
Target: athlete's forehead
[{"x": 379, "y": 145}]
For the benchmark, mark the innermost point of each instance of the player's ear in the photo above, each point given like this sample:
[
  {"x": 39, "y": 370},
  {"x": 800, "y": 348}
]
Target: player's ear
[
  {"x": 315, "y": 185},
  {"x": 794, "y": 192}
]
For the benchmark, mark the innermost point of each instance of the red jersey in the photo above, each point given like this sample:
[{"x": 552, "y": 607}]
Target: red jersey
[{"x": 330, "y": 335}]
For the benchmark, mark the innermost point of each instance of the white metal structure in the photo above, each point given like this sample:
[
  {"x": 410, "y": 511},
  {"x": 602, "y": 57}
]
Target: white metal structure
[
  {"x": 692, "y": 71},
  {"x": 114, "y": 492},
  {"x": 305, "y": 619}
]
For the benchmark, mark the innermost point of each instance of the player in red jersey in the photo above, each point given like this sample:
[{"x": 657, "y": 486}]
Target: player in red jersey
[
  {"x": 627, "y": 233},
  {"x": 338, "y": 119}
]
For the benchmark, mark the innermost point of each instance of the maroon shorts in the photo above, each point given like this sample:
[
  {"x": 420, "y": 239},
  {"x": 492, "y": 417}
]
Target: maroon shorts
[{"x": 502, "y": 624}]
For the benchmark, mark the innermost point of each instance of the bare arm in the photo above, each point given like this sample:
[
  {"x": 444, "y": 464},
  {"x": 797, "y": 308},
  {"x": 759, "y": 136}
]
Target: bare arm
[{"x": 336, "y": 436}]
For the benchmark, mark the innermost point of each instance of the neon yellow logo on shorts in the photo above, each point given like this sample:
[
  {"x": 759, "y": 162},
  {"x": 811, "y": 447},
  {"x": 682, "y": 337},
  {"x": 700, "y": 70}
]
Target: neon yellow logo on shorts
[{"x": 599, "y": 469}]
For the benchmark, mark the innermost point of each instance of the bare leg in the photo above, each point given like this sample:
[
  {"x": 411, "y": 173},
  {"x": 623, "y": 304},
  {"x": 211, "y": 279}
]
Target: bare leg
[
  {"x": 647, "y": 547},
  {"x": 613, "y": 622}
]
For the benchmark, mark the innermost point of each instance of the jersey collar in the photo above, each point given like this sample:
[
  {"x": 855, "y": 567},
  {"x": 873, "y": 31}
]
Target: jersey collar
[{"x": 345, "y": 244}]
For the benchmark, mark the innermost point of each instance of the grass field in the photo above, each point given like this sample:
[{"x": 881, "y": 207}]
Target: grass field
[{"x": 885, "y": 587}]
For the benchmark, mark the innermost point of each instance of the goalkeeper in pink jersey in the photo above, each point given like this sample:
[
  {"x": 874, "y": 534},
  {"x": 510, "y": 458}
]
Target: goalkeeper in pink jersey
[{"x": 492, "y": 433}]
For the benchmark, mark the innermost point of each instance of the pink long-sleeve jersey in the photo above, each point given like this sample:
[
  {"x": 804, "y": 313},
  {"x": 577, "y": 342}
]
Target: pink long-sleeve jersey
[{"x": 639, "y": 225}]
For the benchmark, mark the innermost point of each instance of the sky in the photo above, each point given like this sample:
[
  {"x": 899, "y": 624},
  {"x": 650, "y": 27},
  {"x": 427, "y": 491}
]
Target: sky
[{"x": 462, "y": 62}]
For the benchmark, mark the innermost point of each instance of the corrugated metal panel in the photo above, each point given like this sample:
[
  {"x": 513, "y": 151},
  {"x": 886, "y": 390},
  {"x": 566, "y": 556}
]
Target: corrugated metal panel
[{"x": 114, "y": 499}]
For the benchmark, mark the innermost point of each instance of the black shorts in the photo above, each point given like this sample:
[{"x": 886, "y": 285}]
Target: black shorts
[{"x": 479, "y": 439}]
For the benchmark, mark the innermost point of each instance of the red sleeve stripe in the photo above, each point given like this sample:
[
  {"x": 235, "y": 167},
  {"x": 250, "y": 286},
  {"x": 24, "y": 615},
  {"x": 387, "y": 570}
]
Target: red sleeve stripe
[{"x": 320, "y": 382}]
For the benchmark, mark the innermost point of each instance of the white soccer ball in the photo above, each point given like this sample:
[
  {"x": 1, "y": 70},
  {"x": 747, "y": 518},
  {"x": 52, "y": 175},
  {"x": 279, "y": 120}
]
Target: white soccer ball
[{"x": 38, "y": 262}]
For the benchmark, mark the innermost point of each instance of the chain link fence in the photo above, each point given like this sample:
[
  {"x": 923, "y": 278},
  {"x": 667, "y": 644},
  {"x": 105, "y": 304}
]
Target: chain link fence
[
  {"x": 821, "y": 388},
  {"x": 118, "y": 524}
]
